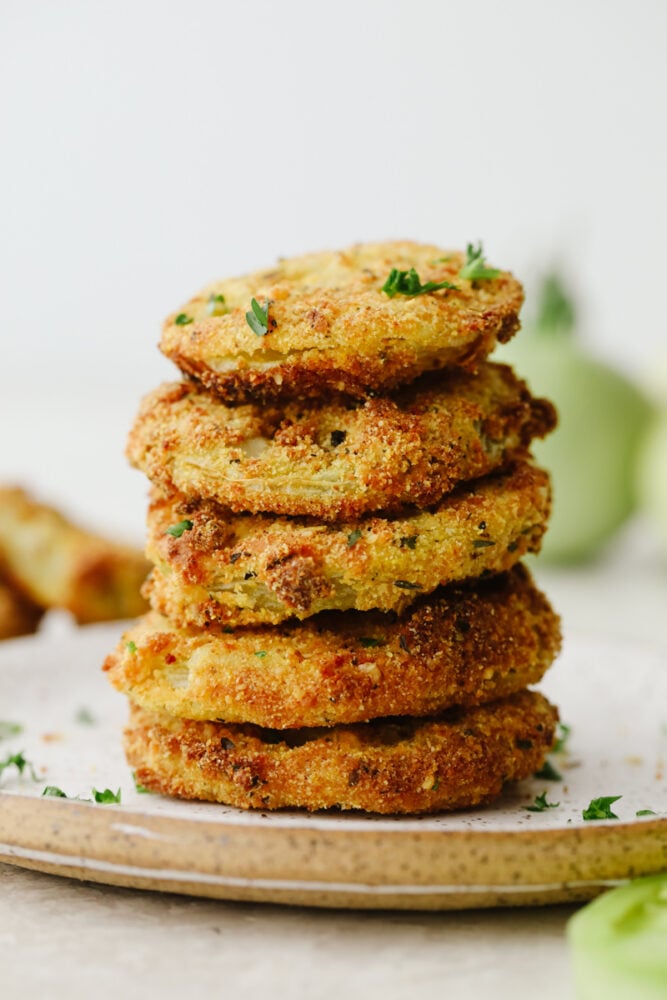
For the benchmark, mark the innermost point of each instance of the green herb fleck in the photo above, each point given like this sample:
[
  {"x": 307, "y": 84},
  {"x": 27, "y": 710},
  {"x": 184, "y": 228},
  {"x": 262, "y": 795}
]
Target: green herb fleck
[
  {"x": 408, "y": 541},
  {"x": 141, "y": 789},
  {"x": 353, "y": 537},
  {"x": 406, "y": 585},
  {"x": 183, "y": 319},
  {"x": 261, "y": 653},
  {"x": 105, "y": 797},
  {"x": 216, "y": 305},
  {"x": 18, "y": 761},
  {"x": 408, "y": 283},
  {"x": 645, "y": 812},
  {"x": 258, "y": 319},
  {"x": 562, "y": 738},
  {"x": 548, "y": 772},
  {"x": 601, "y": 808},
  {"x": 475, "y": 268},
  {"x": 482, "y": 543},
  {"x": 369, "y": 642},
  {"x": 9, "y": 729},
  {"x": 176, "y": 530},
  {"x": 85, "y": 717},
  {"x": 540, "y": 804},
  {"x": 54, "y": 792},
  {"x": 131, "y": 646}
]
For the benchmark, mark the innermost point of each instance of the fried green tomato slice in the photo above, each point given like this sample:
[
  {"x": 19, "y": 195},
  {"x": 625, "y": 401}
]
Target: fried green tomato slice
[
  {"x": 57, "y": 564},
  {"x": 399, "y": 765},
  {"x": 460, "y": 646},
  {"x": 214, "y": 568},
  {"x": 322, "y": 322},
  {"x": 335, "y": 460}
]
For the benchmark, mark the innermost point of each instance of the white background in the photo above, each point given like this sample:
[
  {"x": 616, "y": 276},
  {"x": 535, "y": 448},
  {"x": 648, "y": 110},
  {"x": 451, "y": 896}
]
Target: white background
[{"x": 151, "y": 146}]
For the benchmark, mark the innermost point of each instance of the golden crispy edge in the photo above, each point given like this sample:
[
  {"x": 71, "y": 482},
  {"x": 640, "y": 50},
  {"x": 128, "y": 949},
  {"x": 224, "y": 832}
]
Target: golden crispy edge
[
  {"x": 60, "y": 565},
  {"x": 462, "y": 646},
  {"x": 330, "y": 460},
  {"x": 332, "y": 328},
  {"x": 393, "y": 766},
  {"x": 246, "y": 570}
]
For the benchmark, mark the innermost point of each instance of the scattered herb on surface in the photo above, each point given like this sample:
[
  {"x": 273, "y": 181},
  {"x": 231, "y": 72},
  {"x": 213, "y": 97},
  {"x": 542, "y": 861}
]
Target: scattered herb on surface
[
  {"x": 258, "y": 318},
  {"x": 645, "y": 812},
  {"x": 18, "y": 760},
  {"x": 601, "y": 808},
  {"x": 408, "y": 283},
  {"x": 261, "y": 653},
  {"x": 353, "y": 537},
  {"x": 131, "y": 646},
  {"x": 540, "y": 804},
  {"x": 475, "y": 267},
  {"x": 176, "y": 530},
  {"x": 216, "y": 305},
  {"x": 54, "y": 792},
  {"x": 84, "y": 716},
  {"x": 406, "y": 585},
  {"x": 183, "y": 319},
  {"x": 105, "y": 797},
  {"x": 369, "y": 642},
  {"x": 548, "y": 772},
  {"x": 562, "y": 738},
  {"x": 482, "y": 543},
  {"x": 9, "y": 729},
  {"x": 141, "y": 789},
  {"x": 337, "y": 437},
  {"x": 408, "y": 541}
]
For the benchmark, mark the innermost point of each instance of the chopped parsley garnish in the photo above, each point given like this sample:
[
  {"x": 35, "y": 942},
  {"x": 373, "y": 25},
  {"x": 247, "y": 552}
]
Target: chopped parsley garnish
[
  {"x": 131, "y": 646},
  {"x": 408, "y": 541},
  {"x": 406, "y": 585},
  {"x": 353, "y": 537},
  {"x": 105, "y": 797},
  {"x": 141, "y": 789},
  {"x": 9, "y": 729},
  {"x": 601, "y": 808},
  {"x": 408, "y": 283},
  {"x": 258, "y": 318},
  {"x": 548, "y": 772},
  {"x": 645, "y": 812},
  {"x": 18, "y": 761},
  {"x": 261, "y": 653},
  {"x": 369, "y": 642},
  {"x": 176, "y": 530},
  {"x": 562, "y": 738},
  {"x": 540, "y": 804},
  {"x": 216, "y": 305},
  {"x": 482, "y": 543},
  {"x": 54, "y": 792},
  {"x": 183, "y": 319},
  {"x": 85, "y": 717},
  {"x": 475, "y": 267}
]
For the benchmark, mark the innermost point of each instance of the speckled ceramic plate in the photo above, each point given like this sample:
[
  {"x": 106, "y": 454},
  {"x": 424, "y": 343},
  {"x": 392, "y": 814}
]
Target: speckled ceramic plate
[{"x": 613, "y": 697}]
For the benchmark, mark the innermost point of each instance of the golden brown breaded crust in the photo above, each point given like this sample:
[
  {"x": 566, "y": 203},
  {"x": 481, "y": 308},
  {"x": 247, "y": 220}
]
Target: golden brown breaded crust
[
  {"x": 18, "y": 614},
  {"x": 334, "y": 460},
  {"x": 400, "y": 765},
  {"x": 460, "y": 646},
  {"x": 59, "y": 565},
  {"x": 332, "y": 328},
  {"x": 240, "y": 569}
]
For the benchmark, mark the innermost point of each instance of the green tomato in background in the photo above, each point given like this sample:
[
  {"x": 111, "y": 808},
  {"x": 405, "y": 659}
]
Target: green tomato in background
[{"x": 593, "y": 453}]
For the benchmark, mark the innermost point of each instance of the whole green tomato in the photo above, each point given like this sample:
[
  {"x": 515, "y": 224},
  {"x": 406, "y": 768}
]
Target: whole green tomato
[{"x": 592, "y": 455}]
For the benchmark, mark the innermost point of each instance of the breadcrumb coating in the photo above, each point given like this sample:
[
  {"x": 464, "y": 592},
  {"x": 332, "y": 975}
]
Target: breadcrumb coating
[
  {"x": 228, "y": 569},
  {"x": 333, "y": 459},
  {"x": 331, "y": 327},
  {"x": 461, "y": 759},
  {"x": 460, "y": 646}
]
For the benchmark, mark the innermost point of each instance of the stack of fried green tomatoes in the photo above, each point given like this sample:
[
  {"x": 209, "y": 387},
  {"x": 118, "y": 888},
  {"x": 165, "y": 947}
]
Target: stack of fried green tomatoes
[{"x": 341, "y": 496}]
